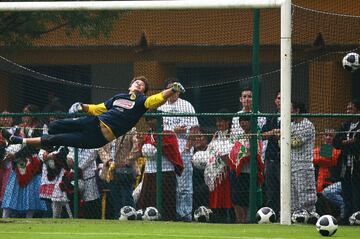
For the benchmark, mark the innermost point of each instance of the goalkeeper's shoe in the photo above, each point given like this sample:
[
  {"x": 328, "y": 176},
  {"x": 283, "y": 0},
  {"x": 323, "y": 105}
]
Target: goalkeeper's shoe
[
  {"x": 10, "y": 138},
  {"x": 177, "y": 87}
]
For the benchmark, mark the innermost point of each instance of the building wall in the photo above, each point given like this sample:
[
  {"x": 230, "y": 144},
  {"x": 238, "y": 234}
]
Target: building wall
[
  {"x": 175, "y": 38},
  {"x": 222, "y": 27}
]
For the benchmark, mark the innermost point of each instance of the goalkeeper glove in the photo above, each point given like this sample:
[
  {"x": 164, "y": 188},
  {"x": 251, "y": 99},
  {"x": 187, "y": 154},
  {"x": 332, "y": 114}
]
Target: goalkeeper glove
[
  {"x": 177, "y": 87},
  {"x": 75, "y": 108}
]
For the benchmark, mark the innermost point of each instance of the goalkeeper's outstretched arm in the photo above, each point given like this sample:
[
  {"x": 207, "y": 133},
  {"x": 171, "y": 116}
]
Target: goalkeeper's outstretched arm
[
  {"x": 158, "y": 99},
  {"x": 152, "y": 101},
  {"x": 95, "y": 132}
]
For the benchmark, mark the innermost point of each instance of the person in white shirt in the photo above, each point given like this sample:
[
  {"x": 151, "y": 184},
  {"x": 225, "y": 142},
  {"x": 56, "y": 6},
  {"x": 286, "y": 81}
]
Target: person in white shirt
[
  {"x": 182, "y": 126},
  {"x": 303, "y": 186},
  {"x": 90, "y": 194},
  {"x": 246, "y": 103},
  {"x": 171, "y": 165}
]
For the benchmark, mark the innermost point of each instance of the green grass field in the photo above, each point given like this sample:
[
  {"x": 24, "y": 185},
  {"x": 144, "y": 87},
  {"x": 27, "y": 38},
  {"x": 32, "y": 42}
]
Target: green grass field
[{"x": 64, "y": 229}]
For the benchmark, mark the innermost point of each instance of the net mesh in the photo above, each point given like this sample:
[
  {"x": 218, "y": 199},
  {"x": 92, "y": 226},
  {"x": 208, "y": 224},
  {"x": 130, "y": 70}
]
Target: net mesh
[{"x": 210, "y": 52}]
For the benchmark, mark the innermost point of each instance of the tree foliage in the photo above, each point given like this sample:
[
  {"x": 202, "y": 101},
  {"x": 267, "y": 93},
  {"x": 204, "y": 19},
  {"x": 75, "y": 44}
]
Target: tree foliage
[{"x": 19, "y": 29}]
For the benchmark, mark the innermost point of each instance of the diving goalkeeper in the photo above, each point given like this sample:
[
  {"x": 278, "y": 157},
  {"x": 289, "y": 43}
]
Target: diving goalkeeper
[{"x": 106, "y": 121}]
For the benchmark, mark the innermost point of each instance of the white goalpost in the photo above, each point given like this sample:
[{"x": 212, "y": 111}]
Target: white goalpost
[{"x": 285, "y": 55}]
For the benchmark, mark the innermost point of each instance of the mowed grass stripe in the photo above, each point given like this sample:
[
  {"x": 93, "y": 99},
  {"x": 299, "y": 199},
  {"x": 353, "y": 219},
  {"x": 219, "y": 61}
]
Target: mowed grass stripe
[
  {"x": 147, "y": 235},
  {"x": 66, "y": 229}
]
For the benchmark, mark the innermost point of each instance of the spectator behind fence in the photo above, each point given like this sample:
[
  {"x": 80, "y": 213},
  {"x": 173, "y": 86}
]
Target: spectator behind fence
[
  {"x": 120, "y": 169},
  {"x": 348, "y": 140},
  {"x": 53, "y": 164},
  {"x": 54, "y": 104},
  {"x": 171, "y": 166},
  {"x": 325, "y": 159},
  {"x": 22, "y": 191},
  {"x": 201, "y": 190},
  {"x": 216, "y": 172},
  {"x": 303, "y": 186},
  {"x": 90, "y": 193},
  {"x": 5, "y": 165},
  {"x": 239, "y": 162},
  {"x": 246, "y": 104},
  {"x": 271, "y": 133},
  {"x": 182, "y": 126}
]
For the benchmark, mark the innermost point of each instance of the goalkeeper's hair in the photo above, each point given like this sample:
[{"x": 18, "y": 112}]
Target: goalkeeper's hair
[{"x": 143, "y": 79}]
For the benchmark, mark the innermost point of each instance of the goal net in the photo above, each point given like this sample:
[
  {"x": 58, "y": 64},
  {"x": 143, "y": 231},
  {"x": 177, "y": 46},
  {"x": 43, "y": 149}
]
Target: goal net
[{"x": 210, "y": 50}]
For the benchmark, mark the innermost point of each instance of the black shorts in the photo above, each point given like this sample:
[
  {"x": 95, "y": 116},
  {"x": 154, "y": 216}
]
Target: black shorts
[{"x": 84, "y": 132}]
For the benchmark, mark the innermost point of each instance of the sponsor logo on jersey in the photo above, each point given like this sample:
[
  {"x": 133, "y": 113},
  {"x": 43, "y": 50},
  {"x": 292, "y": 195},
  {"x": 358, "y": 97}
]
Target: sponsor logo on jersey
[
  {"x": 124, "y": 103},
  {"x": 132, "y": 96}
]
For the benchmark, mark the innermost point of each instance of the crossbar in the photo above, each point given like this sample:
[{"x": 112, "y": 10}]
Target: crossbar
[{"x": 136, "y": 5}]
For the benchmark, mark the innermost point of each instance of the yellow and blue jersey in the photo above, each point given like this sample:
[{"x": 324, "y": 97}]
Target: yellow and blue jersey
[{"x": 121, "y": 112}]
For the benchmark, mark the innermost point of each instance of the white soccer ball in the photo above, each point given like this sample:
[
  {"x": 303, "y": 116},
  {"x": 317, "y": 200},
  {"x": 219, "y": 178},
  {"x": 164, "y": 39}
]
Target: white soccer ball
[
  {"x": 351, "y": 62},
  {"x": 300, "y": 216},
  {"x": 265, "y": 215},
  {"x": 151, "y": 214},
  {"x": 200, "y": 159},
  {"x": 327, "y": 225},
  {"x": 127, "y": 213},
  {"x": 202, "y": 214},
  {"x": 355, "y": 218}
]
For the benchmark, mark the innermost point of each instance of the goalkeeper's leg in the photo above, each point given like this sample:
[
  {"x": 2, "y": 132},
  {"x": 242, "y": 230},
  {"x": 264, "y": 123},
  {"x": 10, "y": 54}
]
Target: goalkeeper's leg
[
  {"x": 90, "y": 136},
  {"x": 56, "y": 127},
  {"x": 70, "y": 125},
  {"x": 84, "y": 140},
  {"x": 10, "y": 138}
]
